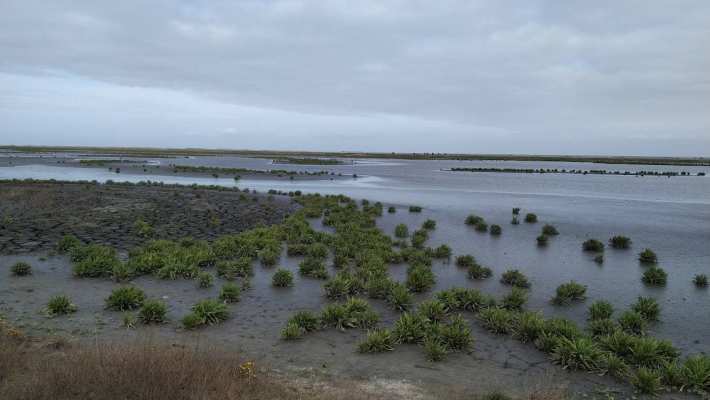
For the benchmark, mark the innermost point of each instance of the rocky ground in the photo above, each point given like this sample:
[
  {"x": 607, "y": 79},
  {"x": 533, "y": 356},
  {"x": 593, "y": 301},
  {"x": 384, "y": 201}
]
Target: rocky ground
[{"x": 34, "y": 216}]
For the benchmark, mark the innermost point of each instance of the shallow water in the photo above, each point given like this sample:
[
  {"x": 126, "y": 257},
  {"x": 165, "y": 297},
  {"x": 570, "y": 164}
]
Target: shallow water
[{"x": 669, "y": 215}]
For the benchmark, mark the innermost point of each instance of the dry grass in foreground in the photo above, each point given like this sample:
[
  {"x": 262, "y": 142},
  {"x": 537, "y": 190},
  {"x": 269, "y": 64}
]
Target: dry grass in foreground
[{"x": 53, "y": 369}]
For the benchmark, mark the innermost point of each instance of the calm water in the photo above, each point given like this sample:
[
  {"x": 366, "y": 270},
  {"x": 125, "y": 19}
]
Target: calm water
[{"x": 669, "y": 215}]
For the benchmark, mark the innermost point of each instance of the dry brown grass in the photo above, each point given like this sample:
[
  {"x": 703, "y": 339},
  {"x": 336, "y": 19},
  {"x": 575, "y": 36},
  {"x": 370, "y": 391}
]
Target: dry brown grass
[{"x": 32, "y": 369}]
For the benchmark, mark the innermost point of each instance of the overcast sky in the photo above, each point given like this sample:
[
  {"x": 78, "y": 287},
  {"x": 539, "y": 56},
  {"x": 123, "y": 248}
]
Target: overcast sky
[{"x": 552, "y": 77}]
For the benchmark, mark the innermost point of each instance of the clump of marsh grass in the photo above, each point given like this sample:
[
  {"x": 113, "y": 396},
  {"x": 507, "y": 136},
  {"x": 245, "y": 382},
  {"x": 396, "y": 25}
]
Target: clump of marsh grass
[
  {"x": 420, "y": 278},
  {"x": 550, "y": 230},
  {"x": 60, "y": 305},
  {"x": 577, "y": 354},
  {"x": 67, "y": 243},
  {"x": 473, "y": 220},
  {"x": 593, "y": 245},
  {"x": 401, "y": 231},
  {"x": 354, "y": 313},
  {"x": 542, "y": 240},
  {"x": 620, "y": 242},
  {"x": 269, "y": 256},
  {"x": 600, "y": 309},
  {"x": 205, "y": 279},
  {"x": 434, "y": 348},
  {"x": 233, "y": 269},
  {"x": 479, "y": 272},
  {"x": 206, "y": 312},
  {"x": 569, "y": 292},
  {"x": 432, "y": 310},
  {"x": 415, "y": 209},
  {"x": 301, "y": 323},
  {"x": 313, "y": 268},
  {"x": 700, "y": 280},
  {"x": 465, "y": 260},
  {"x": 515, "y": 300},
  {"x": 599, "y": 259},
  {"x": 530, "y": 218},
  {"x": 377, "y": 341},
  {"x": 456, "y": 335},
  {"x": 497, "y": 320},
  {"x": 632, "y": 322},
  {"x": 125, "y": 298},
  {"x": 282, "y": 278},
  {"x": 648, "y": 308},
  {"x": 496, "y": 230},
  {"x": 400, "y": 298},
  {"x": 602, "y": 327},
  {"x": 230, "y": 293},
  {"x": 391, "y": 209},
  {"x": 443, "y": 251},
  {"x": 94, "y": 261},
  {"x": 528, "y": 326},
  {"x": 21, "y": 268},
  {"x": 696, "y": 374},
  {"x": 481, "y": 227},
  {"x": 516, "y": 278},
  {"x": 429, "y": 224},
  {"x": 647, "y": 381},
  {"x": 647, "y": 256},
  {"x": 655, "y": 276},
  {"x": 153, "y": 312}
]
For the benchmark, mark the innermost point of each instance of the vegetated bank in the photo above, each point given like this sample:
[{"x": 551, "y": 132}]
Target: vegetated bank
[{"x": 575, "y": 171}]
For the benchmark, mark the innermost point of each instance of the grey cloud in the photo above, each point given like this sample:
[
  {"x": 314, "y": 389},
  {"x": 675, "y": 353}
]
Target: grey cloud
[{"x": 495, "y": 76}]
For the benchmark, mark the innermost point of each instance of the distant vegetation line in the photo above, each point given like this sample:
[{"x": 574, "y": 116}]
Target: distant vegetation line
[
  {"x": 174, "y": 152},
  {"x": 575, "y": 171}
]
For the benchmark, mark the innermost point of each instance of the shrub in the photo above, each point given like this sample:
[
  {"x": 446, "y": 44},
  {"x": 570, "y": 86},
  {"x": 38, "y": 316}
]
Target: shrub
[
  {"x": 205, "y": 279},
  {"x": 391, "y": 210},
  {"x": 515, "y": 299},
  {"x": 282, "y": 278},
  {"x": 549, "y": 230},
  {"x": 569, "y": 292},
  {"x": 646, "y": 381},
  {"x": 93, "y": 261},
  {"x": 456, "y": 335},
  {"x": 497, "y": 320},
  {"x": 232, "y": 269},
  {"x": 700, "y": 280},
  {"x": 153, "y": 312},
  {"x": 415, "y": 209},
  {"x": 434, "y": 349},
  {"x": 655, "y": 276},
  {"x": 478, "y": 272},
  {"x": 230, "y": 293},
  {"x": 481, "y": 227},
  {"x": 465, "y": 260},
  {"x": 496, "y": 230},
  {"x": 620, "y": 242},
  {"x": 647, "y": 256},
  {"x": 401, "y": 231},
  {"x": 473, "y": 219},
  {"x": 577, "y": 354},
  {"x": 593, "y": 245},
  {"x": 420, "y": 278},
  {"x": 67, "y": 243},
  {"x": 313, "y": 268},
  {"x": 377, "y": 341},
  {"x": 400, "y": 298},
  {"x": 125, "y": 298},
  {"x": 528, "y": 326},
  {"x": 515, "y": 278},
  {"x": 648, "y": 308},
  {"x": 60, "y": 305},
  {"x": 530, "y": 218},
  {"x": 429, "y": 224},
  {"x": 542, "y": 240},
  {"x": 206, "y": 312},
  {"x": 600, "y": 310},
  {"x": 21, "y": 268},
  {"x": 632, "y": 322}
]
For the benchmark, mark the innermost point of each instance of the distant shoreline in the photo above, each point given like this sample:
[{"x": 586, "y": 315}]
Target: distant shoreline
[{"x": 186, "y": 152}]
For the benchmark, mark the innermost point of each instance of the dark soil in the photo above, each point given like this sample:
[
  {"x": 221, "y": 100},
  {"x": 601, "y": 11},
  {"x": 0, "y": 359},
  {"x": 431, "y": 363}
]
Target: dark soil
[{"x": 34, "y": 216}]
